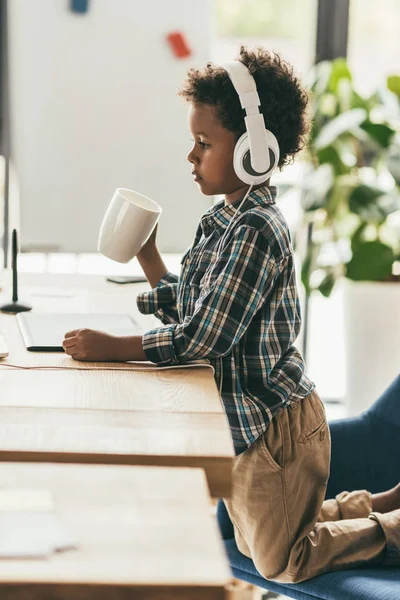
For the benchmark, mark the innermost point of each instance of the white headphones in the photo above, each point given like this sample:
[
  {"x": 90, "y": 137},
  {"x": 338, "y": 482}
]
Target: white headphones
[{"x": 256, "y": 153}]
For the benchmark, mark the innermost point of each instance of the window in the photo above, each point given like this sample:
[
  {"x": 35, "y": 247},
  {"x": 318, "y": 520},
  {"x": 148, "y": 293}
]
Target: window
[
  {"x": 374, "y": 42},
  {"x": 269, "y": 23}
]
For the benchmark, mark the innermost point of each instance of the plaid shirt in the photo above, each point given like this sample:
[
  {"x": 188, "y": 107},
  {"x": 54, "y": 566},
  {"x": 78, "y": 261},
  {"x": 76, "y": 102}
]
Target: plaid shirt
[{"x": 236, "y": 304}]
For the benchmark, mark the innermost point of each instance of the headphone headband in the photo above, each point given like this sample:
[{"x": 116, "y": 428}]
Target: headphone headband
[
  {"x": 246, "y": 88},
  {"x": 243, "y": 82}
]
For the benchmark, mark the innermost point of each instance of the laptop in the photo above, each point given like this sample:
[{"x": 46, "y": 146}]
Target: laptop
[{"x": 44, "y": 332}]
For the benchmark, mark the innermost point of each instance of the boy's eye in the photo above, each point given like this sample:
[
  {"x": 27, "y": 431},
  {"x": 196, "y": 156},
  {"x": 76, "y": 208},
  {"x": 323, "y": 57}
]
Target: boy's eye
[{"x": 203, "y": 145}]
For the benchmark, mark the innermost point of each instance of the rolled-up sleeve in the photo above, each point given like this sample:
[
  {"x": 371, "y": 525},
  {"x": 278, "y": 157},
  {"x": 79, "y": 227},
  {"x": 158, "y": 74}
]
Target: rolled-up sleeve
[
  {"x": 161, "y": 301},
  {"x": 239, "y": 282}
]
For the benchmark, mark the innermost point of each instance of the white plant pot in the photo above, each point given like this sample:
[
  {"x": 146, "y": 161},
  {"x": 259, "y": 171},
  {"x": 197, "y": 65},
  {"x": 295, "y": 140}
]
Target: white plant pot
[{"x": 372, "y": 340}]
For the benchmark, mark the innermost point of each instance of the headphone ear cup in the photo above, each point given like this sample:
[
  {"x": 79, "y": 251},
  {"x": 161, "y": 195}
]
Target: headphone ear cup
[
  {"x": 242, "y": 149},
  {"x": 242, "y": 163},
  {"x": 274, "y": 152}
]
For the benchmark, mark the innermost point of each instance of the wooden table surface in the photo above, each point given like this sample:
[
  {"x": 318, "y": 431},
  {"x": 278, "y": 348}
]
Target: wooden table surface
[
  {"x": 125, "y": 416},
  {"x": 140, "y": 532}
]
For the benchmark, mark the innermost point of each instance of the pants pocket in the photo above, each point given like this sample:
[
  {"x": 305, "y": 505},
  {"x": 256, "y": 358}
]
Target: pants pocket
[
  {"x": 312, "y": 422},
  {"x": 271, "y": 445},
  {"x": 312, "y": 432}
]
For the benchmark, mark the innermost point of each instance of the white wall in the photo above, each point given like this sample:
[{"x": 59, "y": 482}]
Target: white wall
[{"x": 94, "y": 107}]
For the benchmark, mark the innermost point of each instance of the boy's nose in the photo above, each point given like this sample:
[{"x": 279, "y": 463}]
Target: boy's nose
[{"x": 192, "y": 158}]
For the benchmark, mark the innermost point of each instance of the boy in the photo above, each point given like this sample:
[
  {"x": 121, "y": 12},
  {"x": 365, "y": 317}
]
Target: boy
[{"x": 236, "y": 304}]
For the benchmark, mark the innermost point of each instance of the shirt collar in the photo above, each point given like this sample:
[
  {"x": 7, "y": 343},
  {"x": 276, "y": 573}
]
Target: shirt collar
[{"x": 218, "y": 216}]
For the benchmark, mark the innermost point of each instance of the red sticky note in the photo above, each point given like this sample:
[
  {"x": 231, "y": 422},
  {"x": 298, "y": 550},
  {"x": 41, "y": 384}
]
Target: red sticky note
[{"x": 178, "y": 44}]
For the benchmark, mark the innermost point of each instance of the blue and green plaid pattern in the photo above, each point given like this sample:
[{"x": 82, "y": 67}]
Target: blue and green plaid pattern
[{"x": 236, "y": 304}]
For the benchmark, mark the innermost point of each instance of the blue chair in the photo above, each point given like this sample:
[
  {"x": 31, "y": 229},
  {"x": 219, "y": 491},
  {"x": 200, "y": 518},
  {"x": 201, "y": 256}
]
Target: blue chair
[{"x": 365, "y": 455}]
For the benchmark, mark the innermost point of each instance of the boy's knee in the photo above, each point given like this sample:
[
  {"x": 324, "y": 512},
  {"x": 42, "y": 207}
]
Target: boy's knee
[
  {"x": 271, "y": 565},
  {"x": 274, "y": 572},
  {"x": 278, "y": 567},
  {"x": 274, "y": 561}
]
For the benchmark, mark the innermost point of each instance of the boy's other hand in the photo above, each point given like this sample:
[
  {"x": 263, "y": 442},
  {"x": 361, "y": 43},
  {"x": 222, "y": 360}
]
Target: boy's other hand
[{"x": 90, "y": 345}]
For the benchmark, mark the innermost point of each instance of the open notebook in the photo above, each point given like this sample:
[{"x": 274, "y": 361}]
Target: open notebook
[{"x": 45, "y": 331}]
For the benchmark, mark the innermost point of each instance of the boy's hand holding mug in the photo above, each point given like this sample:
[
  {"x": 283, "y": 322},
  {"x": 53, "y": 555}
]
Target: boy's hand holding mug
[
  {"x": 129, "y": 229},
  {"x": 149, "y": 249}
]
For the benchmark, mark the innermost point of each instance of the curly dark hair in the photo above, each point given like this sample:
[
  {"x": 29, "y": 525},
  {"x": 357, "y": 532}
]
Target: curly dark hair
[{"x": 283, "y": 101}]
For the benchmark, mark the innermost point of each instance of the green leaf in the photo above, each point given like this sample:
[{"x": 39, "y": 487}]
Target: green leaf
[
  {"x": 330, "y": 155},
  {"x": 388, "y": 104},
  {"x": 345, "y": 94},
  {"x": 340, "y": 70},
  {"x": 344, "y": 123},
  {"x": 358, "y": 101},
  {"x": 393, "y": 161},
  {"x": 318, "y": 77},
  {"x": 372, "y": 204},
  {"x": 393, "y": 83},
  {"x": 306, "y": 271},
  {"x": 371, "y": 261},
  {"x": 328, "y": 106},
  {"x": 327, "y": 284},
  {"x": 356, "y": 238},
  {"x": 381, "y": 133},
  {"x": 316, "y": 188}
]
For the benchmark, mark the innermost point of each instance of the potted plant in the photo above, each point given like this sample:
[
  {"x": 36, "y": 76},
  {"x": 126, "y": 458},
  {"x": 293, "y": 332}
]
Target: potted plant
[{"x": 351, "y": 202}]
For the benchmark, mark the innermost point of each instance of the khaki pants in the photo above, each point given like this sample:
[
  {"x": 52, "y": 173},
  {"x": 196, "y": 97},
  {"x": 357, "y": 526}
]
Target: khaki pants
[{"x": 278, "y": 511}]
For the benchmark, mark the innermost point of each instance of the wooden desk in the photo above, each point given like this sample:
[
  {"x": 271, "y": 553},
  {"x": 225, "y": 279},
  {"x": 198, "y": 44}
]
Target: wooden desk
[
  {"x": 141, "y": 533},
  {"x": 167, "y": 418}
]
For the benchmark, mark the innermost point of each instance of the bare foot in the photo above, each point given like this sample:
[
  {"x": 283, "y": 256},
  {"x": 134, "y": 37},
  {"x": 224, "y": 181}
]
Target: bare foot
[{"x": 386, "y": 501}]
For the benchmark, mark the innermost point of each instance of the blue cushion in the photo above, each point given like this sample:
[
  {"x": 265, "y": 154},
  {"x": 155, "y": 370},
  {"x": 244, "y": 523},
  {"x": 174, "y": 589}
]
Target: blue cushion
[{"x": 357, "y": 584}]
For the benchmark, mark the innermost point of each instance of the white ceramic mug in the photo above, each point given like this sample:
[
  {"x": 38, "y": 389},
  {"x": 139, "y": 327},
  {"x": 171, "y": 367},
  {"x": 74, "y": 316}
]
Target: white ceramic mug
[{"x": 127, "y": 225}]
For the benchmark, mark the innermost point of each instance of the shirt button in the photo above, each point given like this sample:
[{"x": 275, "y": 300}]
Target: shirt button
[{"x": 322, "y": 435}]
